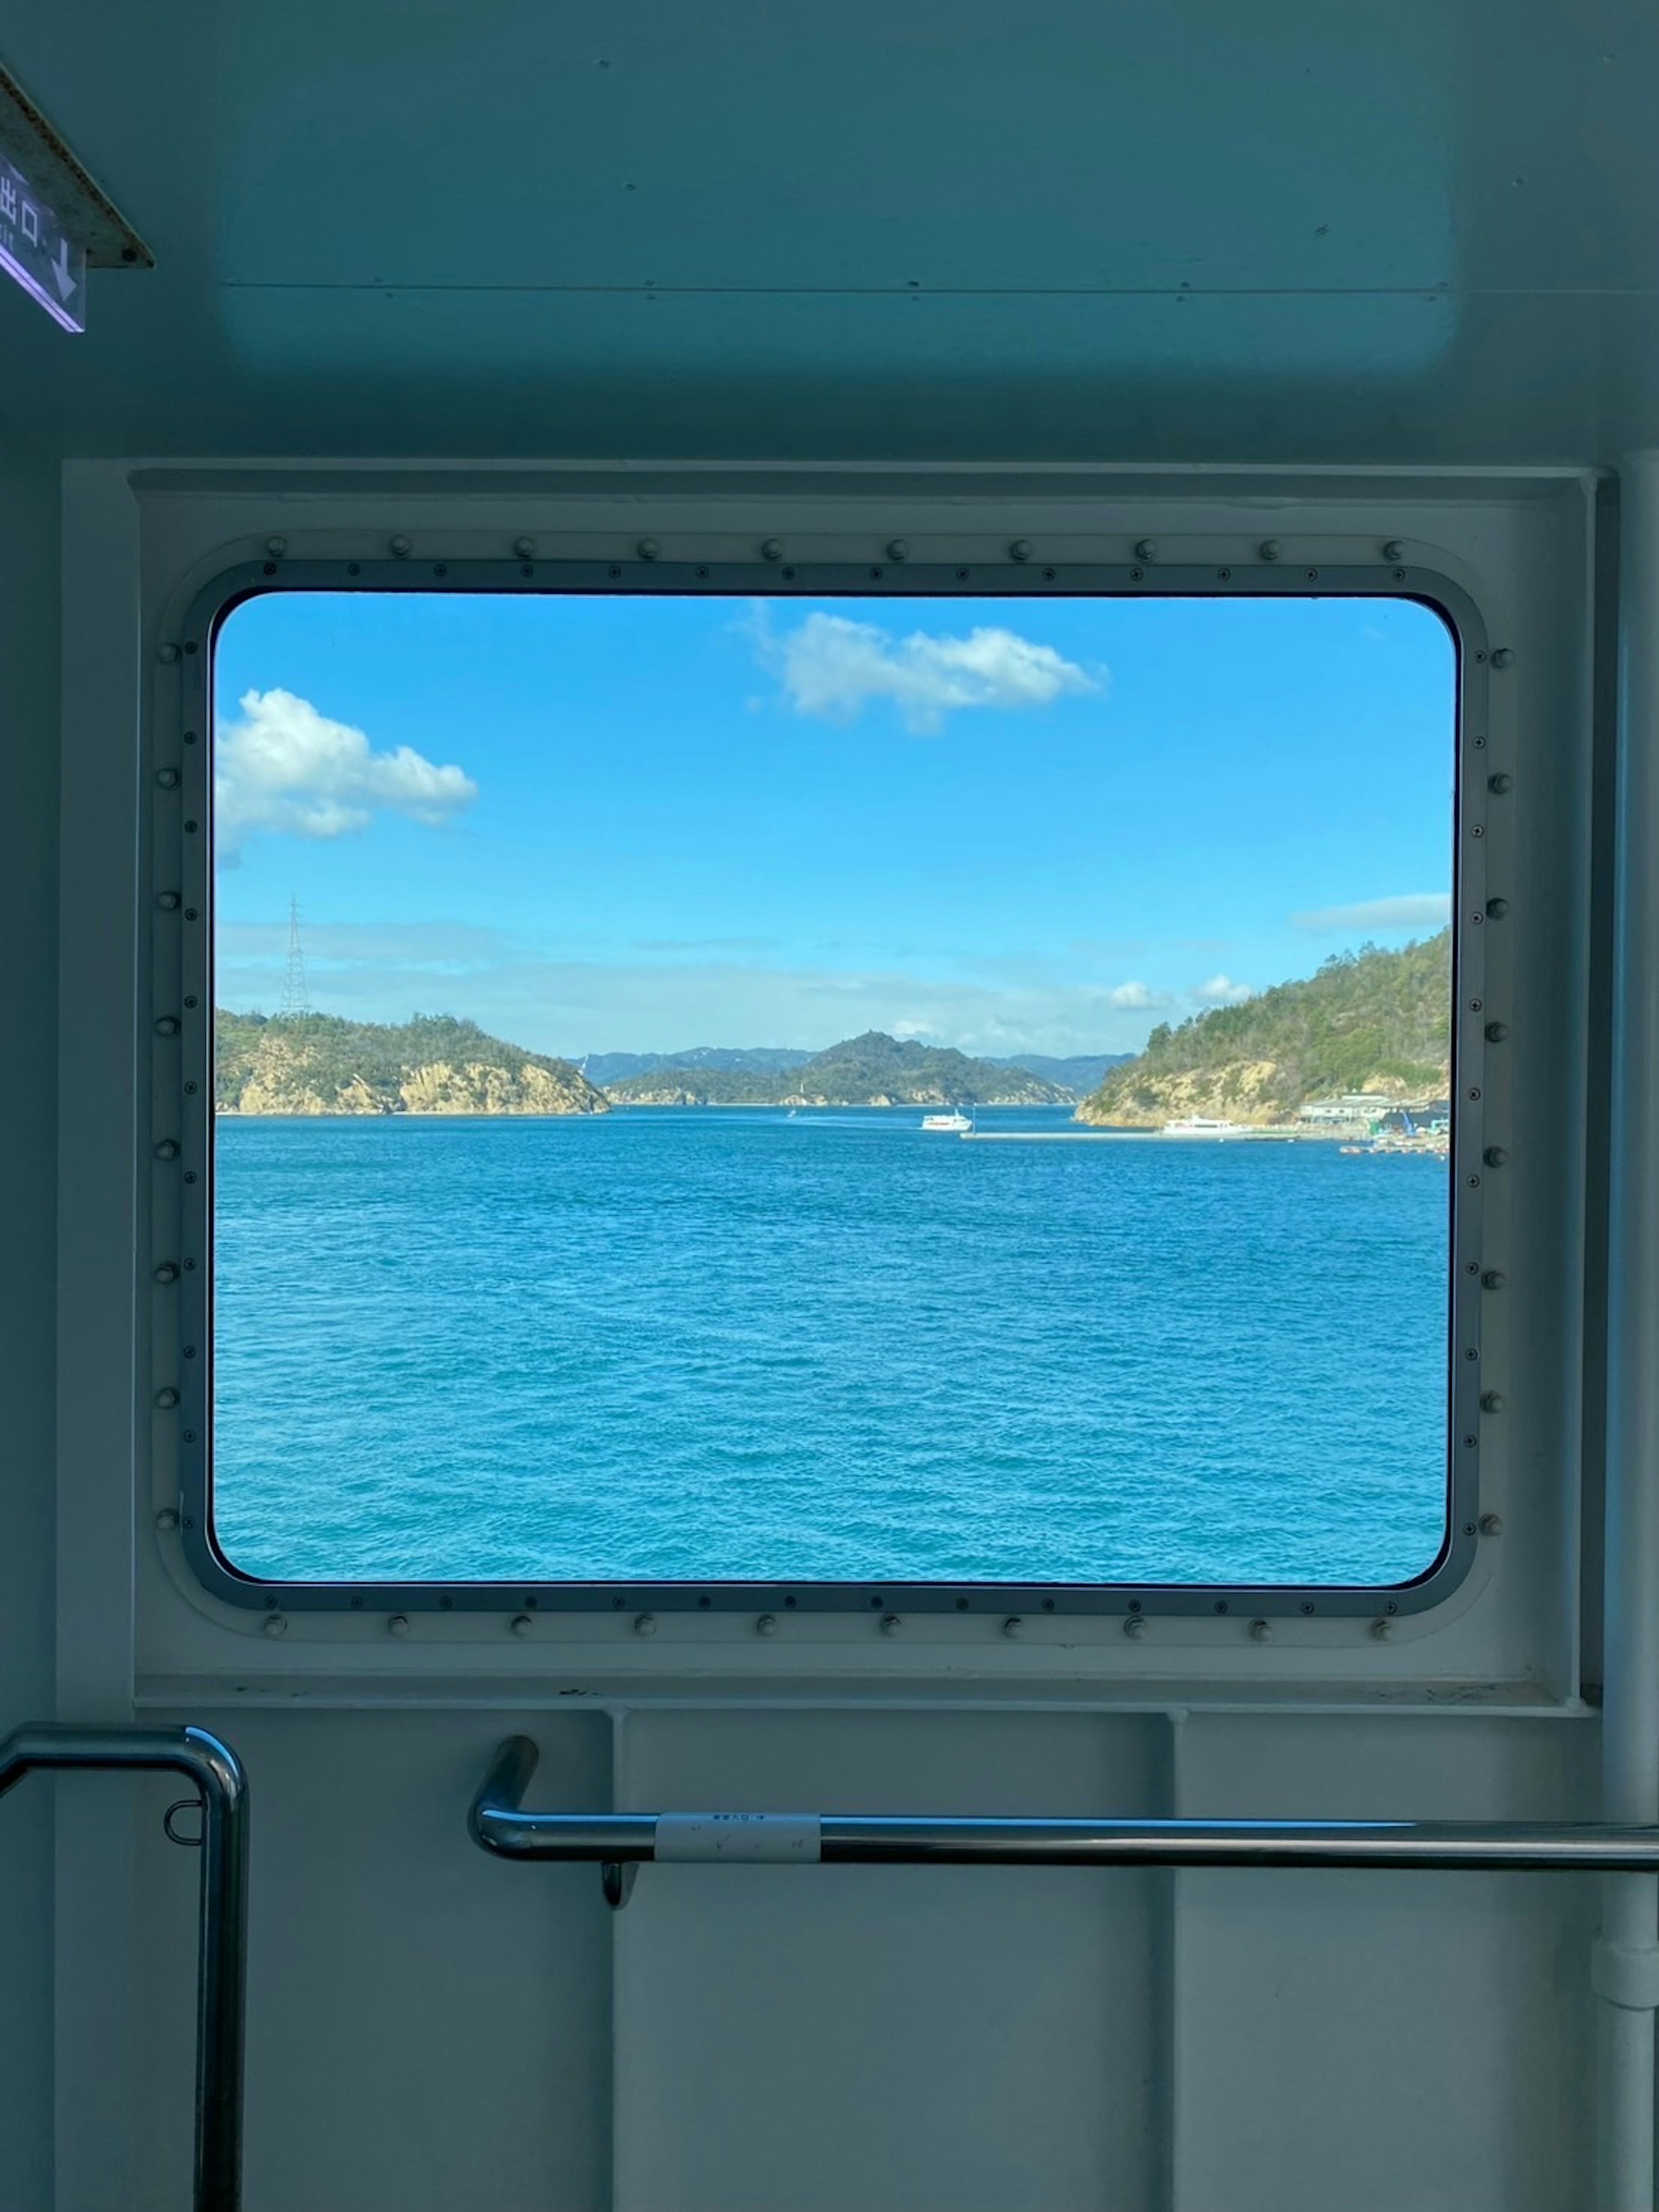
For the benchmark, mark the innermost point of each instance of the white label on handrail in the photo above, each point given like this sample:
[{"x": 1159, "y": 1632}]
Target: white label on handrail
[{"x": 775, "y": 1838}]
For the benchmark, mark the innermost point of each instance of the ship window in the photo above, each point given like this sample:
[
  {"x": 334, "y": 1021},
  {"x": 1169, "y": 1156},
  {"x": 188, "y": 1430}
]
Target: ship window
[{"x": 831, "y": 1099}]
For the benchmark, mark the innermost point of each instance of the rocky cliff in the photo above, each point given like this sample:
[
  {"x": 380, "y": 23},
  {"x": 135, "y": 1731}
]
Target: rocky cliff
[
  {"x": 1371, "y": 1021},
  {"x": 318, "y": 1064}
]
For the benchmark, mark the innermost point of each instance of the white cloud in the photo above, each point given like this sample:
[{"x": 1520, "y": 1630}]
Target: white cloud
[
  {"x": 285, "y": 770},
  {"x": 1134, "y": 998},
  {"x": 1222, "y": 991},
  {"x": 831, "y": 667},
  {"x": 1414, "y": 910}
]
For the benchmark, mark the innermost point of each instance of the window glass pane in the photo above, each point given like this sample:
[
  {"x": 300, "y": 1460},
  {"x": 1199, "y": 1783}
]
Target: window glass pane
[{"x": 864, "y": 1090}]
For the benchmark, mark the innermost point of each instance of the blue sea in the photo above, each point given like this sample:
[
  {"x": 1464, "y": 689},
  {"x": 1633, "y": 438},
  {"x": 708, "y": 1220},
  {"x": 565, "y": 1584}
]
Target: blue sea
[{"x": 741, "y": 1344}]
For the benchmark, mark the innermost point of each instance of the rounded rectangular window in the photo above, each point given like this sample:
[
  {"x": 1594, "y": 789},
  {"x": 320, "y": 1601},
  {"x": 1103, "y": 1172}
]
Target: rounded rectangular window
[{"x": 820, "y": 1097}]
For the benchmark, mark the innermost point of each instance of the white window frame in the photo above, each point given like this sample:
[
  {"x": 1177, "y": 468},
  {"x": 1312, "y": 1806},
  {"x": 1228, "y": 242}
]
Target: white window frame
[{"x": 169, "y": 547}]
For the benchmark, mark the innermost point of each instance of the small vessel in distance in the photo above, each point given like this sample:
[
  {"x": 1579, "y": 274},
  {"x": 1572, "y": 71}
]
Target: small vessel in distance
[
  {"x": 955, "y": 1123},
  {"x": 1200, "y": 1125}
]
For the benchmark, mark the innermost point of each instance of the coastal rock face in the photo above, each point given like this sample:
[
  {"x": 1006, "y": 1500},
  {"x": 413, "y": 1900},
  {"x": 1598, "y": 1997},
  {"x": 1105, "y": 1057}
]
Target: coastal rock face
[
  {"x": 317, "y": 1064},
  {"x": 1241, "y": 1090},
  {"x": 1368, "y": 1021}
]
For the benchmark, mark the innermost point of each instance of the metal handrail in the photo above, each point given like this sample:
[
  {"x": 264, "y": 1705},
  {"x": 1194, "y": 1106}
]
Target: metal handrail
[
  {"x": 500, "y": 1823},
  {"x": 221, "y": 1971}
]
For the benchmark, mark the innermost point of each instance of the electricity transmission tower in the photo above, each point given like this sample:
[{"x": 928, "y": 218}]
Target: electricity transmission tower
[{"x": 296, "y": 999}]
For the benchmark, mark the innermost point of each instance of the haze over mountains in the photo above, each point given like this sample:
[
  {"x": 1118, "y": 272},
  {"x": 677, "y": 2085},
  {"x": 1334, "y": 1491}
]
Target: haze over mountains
[
  {"x": 1373, "y": 1021},
  {"x": 311, "y": 1064},
  {"x": 604, "y": 1067},
  {"x": 1080, "y": 1074},
  {"x": 871, "y": 1070}
]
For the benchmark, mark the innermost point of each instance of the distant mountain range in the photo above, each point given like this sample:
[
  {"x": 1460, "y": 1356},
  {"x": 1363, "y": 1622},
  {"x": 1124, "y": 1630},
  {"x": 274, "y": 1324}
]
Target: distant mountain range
[
  {"x": 1082, "y": 1073},
  {"x": 871, "y": 1070},
  {"x": 436, "y": 1064},
  {"x": 607, "y": 1068}
]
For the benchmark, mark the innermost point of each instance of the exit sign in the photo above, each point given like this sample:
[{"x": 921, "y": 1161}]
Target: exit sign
[{"x": 37, "y": 253}]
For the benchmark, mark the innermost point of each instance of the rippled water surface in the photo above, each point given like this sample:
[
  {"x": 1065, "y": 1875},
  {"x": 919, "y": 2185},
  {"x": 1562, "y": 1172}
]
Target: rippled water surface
[{"x": 737, "y": 1344}]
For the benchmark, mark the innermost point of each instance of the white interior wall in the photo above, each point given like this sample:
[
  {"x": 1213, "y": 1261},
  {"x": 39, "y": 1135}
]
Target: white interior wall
[
  {"x": 1426, "y": 236},
  {"x": 427, "y": 2025}
]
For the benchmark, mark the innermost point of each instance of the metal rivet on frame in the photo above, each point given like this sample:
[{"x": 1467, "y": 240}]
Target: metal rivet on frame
[
  {"x": 1020, "y": 549},
  {"x": 1145, "y": 548}
]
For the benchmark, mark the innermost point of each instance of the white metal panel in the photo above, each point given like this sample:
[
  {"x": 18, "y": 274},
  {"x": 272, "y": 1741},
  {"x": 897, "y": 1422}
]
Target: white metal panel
[
  {"x": 1377, "y": 2042},
  {"x": 427, "y": 2028},
  {"x": 804, "y": 2038}
]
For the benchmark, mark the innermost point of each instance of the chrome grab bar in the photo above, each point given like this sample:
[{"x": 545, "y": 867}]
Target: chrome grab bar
[
  {"x": 622, "y": 1841},
  {"x": 222, "y": 1968}
]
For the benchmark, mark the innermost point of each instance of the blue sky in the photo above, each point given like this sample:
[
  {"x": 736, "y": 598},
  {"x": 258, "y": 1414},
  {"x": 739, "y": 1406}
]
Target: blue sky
[{"x": 602, "y": 824}]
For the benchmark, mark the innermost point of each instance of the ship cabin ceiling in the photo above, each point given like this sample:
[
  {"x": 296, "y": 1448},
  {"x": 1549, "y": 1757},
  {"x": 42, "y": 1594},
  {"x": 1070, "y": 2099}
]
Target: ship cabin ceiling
[{"x": 1423, "y": 234}]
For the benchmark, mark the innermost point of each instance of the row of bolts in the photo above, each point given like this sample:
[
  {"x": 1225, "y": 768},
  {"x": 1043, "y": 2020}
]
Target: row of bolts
[
  {"x": 765, "y": 1624},
  {"x": 772, "y": 549},
  {"x": 898, "y": 548}
]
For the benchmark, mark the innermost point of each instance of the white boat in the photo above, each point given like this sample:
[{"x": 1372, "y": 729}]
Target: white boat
[
  {"x": 1200, "y": 1125},
  {"x": 954, "y": 1123}
]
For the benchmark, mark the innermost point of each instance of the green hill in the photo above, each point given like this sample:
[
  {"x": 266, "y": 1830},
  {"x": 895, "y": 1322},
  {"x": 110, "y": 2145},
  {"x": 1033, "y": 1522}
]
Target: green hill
[
  {"x": 1367, "y": 1021},
  {"x": 871, "y": 1070},
  {"x": 320, "y": 1063}
]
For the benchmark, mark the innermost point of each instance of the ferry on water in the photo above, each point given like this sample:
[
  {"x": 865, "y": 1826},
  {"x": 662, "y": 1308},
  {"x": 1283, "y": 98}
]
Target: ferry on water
[
  {"x": 953, "y": 1124},
  {"x": 1200, "y": 1125}
]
